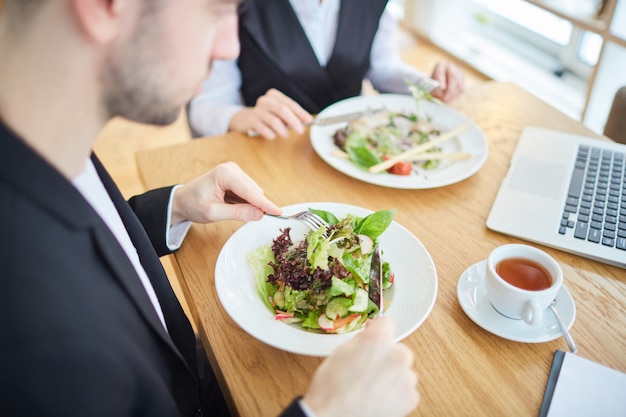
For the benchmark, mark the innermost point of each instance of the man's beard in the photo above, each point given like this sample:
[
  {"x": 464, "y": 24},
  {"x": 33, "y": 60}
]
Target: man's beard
[
  {"x": 137, "y": 78},
  {"x": 135, "y": 93}
]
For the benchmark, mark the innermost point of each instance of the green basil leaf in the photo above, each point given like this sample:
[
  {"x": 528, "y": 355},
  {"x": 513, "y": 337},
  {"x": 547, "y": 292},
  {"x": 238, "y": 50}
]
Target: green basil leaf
[{"x": 376, "y": 223}]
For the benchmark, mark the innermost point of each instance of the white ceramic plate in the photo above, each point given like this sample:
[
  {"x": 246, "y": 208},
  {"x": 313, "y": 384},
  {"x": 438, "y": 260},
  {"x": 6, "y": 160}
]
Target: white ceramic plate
[
  {"x": 473, "y": 299},
  {"x": 411, "y": 298},
  {"x": 444, "y": 118}
]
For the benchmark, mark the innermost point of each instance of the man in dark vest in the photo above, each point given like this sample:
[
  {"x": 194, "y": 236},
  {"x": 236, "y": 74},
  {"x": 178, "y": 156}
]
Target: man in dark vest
[
  {"x": 298, "y": 57},
  {"x": 89, "y": 325}
]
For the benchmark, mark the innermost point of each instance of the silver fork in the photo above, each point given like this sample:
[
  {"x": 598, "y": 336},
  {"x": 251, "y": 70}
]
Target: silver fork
[
  {"x": 427, "y": 84},
  {"x": 312, "y": 220},
  {"x": 422, "y": 89}
]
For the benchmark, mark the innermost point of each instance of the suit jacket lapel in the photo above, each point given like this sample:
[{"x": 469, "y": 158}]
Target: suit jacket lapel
[
  {"x": 356, "y": 29},
  {"x": 45, "y": 185},
  {"x": 276, "y": 30},
  {"x": 127, "y": 277},
  {"x": 178, "y": 325},
  {"x": 350, "y": 60}
]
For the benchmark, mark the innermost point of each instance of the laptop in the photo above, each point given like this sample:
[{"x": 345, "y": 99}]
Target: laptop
[{"x": 567, "y": 192}]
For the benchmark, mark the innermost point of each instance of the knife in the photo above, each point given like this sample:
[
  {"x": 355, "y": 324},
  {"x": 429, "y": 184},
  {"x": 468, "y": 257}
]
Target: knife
[
  {"x": 347, "y": 117},
  {"x": 331, "y": 120},
  {"x": 376, "y": 281}
]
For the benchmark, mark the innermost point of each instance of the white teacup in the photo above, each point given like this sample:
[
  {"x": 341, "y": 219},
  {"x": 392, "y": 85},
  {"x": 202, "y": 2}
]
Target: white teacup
[{"x": 521, "y": 281}]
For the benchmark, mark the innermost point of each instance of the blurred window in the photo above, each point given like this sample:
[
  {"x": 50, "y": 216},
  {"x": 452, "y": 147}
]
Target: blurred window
[{"x": 575, "y": 49}]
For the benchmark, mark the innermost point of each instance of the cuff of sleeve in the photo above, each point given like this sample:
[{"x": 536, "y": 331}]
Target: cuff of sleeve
[
  {"x": 175, "y": 233},
  {"x": 305, "y": 410},
  {"x": 297, "y": 408},
  {"x": 211, "y": 120}
]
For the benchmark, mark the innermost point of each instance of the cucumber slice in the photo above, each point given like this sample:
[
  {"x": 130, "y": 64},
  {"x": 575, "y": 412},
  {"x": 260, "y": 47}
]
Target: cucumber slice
[
  {"x": 337, "y": 307},
  {"x": 360, "y": 301}
]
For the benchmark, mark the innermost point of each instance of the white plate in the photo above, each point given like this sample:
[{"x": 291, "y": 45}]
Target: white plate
[
  {"x": 473, "y": 300},
  {"x": 444, "y": 118},
  {"x": 412, "y": 296}
]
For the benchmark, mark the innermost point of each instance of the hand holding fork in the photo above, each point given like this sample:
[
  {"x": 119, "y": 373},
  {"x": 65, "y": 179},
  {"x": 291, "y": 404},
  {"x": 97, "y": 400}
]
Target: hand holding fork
[{"x": 310, "y": 219}]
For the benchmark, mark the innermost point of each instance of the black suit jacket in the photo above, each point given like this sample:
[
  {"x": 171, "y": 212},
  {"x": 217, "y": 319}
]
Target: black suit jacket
[
  {"x": 276, "y": 53},
  {"x": 78, "y": 333}
]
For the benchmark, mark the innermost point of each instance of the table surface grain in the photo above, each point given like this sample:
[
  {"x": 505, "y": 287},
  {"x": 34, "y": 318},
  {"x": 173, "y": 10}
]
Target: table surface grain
[{"x": 464, "y": 370}]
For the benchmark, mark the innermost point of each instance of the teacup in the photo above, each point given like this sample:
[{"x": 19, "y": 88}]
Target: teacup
[{"x": 521, "y": 281}]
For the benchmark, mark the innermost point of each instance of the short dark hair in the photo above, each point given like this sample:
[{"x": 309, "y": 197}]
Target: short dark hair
[
  {"x": 17, "y": 12},
  {"x": 21, "y": 8}
]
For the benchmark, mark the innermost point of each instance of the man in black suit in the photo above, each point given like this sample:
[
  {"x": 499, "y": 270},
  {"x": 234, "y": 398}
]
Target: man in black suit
[{"x": 88, "y": 322}]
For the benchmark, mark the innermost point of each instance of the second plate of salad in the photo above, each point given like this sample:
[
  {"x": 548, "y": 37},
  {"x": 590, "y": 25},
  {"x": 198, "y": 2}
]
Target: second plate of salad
[
  {"x": 403, "y": 124},
  {"x": 409, "y": 300}
]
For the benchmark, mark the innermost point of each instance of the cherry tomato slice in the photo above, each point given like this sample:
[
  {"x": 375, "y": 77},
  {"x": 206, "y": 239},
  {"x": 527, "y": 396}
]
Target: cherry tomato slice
[{"x": 401, "y": 168}]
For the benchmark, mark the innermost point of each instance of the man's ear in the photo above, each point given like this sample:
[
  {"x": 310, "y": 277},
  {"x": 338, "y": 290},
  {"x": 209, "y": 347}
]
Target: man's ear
[{"x": 100, "y": 20}]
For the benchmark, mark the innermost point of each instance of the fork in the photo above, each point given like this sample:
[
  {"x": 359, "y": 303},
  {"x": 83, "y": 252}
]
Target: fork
[
  {"x": 422, "y": 89},
  {"x": 427, "y": 84},
  {"x": 312, "y": 220}
]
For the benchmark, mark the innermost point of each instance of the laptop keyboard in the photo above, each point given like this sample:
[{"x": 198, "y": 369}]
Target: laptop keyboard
[{"x": 596, "y": 201}]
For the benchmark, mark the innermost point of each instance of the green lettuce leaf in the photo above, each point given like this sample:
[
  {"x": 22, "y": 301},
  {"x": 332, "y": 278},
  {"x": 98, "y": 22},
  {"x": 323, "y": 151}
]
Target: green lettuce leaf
[
  {"x": 259, "y": 260},
  {"x": 294, "y": 299},
  {"x": 360, "y": 151},
  {"x": 341, "y": 287},
  {"x": 317, "y": 250}
]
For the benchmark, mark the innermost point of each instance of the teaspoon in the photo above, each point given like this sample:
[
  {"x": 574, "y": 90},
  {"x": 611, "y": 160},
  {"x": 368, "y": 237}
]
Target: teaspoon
[{"x": 566, "y": 334}]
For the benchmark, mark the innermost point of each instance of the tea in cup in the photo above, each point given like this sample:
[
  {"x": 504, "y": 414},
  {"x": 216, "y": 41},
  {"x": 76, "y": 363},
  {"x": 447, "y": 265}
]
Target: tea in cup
[{"x": 521, "y": 281}]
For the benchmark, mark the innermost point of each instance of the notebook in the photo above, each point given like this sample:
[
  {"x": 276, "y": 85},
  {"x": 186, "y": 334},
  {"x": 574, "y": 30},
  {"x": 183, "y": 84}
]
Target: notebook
[
  {"x": 579, "y": 387},
  {"x": 567, "y": 192}
]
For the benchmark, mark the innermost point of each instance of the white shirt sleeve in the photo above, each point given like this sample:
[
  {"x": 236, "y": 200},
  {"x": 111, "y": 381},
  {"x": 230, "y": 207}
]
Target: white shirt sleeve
[
  {"x": 175, "y": 233},
  {"x": 210, "y": 111},
  {"x": 305, "y": 410},
  {"x": 388, "y": 73}
]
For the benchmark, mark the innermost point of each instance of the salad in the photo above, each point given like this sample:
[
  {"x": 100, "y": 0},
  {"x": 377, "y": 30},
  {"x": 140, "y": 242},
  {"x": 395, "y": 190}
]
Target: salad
[
  {"x": 322, "y": 281},
  {"x": 371, "y": 140}
]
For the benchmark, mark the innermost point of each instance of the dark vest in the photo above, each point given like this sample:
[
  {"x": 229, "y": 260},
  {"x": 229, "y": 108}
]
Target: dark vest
[{"x": 275, "y": 53}]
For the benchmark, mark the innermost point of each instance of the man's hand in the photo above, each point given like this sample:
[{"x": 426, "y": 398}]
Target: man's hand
[
  {"x": 451, "y": 81},
  {"x": 203, "y": 199},
  {"x": 369, "y": 376},
  {"x": 274, "y": 114}
]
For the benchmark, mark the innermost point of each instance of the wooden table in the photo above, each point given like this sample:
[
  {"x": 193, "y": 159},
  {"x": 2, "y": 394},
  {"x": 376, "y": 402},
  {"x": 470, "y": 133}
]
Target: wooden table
[{"x": 464, "y": 370}]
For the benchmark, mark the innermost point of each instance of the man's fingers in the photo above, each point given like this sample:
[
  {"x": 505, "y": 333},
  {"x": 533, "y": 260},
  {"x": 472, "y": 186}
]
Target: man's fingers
[{"x": 382, "y": 329}]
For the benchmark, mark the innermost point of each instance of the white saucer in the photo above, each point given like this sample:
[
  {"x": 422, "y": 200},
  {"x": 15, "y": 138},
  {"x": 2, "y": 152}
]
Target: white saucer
[{"x": 473, "y": 299}]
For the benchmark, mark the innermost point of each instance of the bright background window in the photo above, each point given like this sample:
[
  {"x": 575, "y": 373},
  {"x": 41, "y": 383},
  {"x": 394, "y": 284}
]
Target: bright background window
[{"x": 563, "y": 51}]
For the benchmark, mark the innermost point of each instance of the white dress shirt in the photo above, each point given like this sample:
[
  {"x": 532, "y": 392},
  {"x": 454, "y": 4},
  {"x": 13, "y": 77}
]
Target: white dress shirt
[
  {"x": 90, "y": 186},
  {"x": 210, "y": 112}
]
